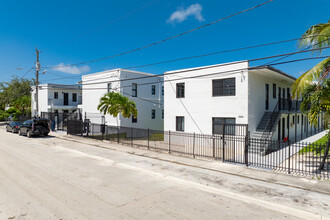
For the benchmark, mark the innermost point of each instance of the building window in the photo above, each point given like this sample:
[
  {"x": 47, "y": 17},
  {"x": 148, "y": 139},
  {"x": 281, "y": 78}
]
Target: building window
[
  {"x": 163, "y": 114},
  {"x": 179, "y": 123},
  {"x": 153, "y": 114},
  {"x": 162, "y": 89},
  {"x": 217, "y": 125},
  {"x": 180, "y": 90},
  {"x": 134, "y": 90},
  {"x": 74, "y": 97},
  {"x": 274, "y": 90},
  {"x": 153, "y": 90},
  {"x": 109, "y": 87},
  {"x": 223, "y": 87},
  {"x": 55, "y": 95},
  {"x": 134, "y": 119}
]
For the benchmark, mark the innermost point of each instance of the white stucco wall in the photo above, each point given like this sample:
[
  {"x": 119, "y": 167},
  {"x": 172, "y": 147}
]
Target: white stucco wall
[
  {"x": 199, "y": 106},
  {"x": 144, "y": 101},
  {"x": 257, "y": 94}
]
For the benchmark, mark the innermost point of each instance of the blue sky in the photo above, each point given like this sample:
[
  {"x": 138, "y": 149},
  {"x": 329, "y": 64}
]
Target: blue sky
[{"x": 75, "y": 31}]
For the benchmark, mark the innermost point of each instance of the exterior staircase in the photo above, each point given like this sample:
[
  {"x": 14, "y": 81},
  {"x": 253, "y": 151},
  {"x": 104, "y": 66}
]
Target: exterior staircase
[{"x": 265, "y": 131}]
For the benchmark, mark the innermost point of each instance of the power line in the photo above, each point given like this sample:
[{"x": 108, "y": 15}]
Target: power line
[
  {"x": 200, "y": 68},
  {"x": 166, "y": 39},
  {"x": 192, "y": 57},
  {"x": 215, "y": 73},
  {"x": 26, "y": 72}
]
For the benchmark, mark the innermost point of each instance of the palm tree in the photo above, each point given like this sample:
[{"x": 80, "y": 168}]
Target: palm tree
[
  {"x": 22, "y": 103},
  {"x": 317, "y": 36},
  {"x": 114, "y": 103}
]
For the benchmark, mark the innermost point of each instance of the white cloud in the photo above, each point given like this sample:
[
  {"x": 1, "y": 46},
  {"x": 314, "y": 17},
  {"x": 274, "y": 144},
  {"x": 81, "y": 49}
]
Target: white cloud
[
  {"x": 182, "y": 14},
  {"x": 71, "y": 69}
]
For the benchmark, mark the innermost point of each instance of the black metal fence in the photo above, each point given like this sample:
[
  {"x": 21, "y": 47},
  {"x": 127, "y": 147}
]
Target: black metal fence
[
  {"x": 233, "y": 146},
  {"x": 59, "y": 120}
]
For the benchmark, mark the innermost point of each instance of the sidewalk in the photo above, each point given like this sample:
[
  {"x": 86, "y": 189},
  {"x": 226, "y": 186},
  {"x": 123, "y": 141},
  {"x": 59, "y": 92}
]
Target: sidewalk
[{"x": 304, "y": 183}]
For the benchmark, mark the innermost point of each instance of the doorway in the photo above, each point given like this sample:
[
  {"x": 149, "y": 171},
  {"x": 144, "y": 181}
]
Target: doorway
[{"x": 66, "y": 98}]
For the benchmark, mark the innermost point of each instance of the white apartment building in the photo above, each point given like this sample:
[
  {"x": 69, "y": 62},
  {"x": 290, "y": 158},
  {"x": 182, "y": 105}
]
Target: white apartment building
[
  {"x": 56, "y": 98},
  {"x": 145, "y": 89},
  {"x": 201, "y": 99}
]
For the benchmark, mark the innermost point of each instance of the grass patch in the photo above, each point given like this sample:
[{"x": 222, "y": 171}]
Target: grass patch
[
  {"x": 157, "y": 137},
  {"x": 318, "y": 147}
]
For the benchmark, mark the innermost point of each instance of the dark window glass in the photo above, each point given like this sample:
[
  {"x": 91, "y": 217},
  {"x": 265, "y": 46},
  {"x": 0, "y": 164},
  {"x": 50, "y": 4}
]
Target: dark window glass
[
  {"x": 179, "y": 123},
  {"x": 134, "y": 90},
  {"x": 223, "y": 87},
  {"x": 134, "y": 119},
  {"x": 153, "y": 113},
  {"x": 109, "y": 87},
  {"x": 153, "y": 90},
  {"x": 55, "y": 95},
  {"x": 162, "y": 89},
  {"x": 163, "y": 114},
  {"x": 180, "y": 90},
  {"x": 267, "y": 96},
  {"x": 274, "y": 90},
  {"x": 217, "y": 125},
  {"x": 74, "y": 97}
]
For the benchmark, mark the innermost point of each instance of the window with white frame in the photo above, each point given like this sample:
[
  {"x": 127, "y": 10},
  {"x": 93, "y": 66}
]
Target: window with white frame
[
  {"x": 218, "y": 124},
  {"x": 153, "y": 90},
  {"x": 153, "y": 114},
  {"x": 109, "y": 87}
]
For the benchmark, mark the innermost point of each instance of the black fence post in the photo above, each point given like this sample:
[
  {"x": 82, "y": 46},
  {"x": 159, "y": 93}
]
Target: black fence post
[
  {"x": 148, "y": 138},
  {"x": 213, "y": 139},
  {"x": 289, "y": 166},
  {"x": 118, "y": 134},
  {"x": 131, "y": 136},
  {"x": 169, "y": 141},
  {"x": 246, "y": 149},
  {"x": 194, "y": 145},
  {"x": 223, "y": 142}
]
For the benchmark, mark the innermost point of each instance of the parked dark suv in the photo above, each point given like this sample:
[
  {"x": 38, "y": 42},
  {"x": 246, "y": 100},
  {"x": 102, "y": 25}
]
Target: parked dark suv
[{"x": 37, "y": 126}]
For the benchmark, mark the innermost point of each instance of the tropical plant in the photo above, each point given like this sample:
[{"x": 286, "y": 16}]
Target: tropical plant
[
  {"x": 114, "y": 103},
  {"x": 316, "y": 37},
  {"x": 316, "y": 99},
  {"x": 23, "y": 103}
]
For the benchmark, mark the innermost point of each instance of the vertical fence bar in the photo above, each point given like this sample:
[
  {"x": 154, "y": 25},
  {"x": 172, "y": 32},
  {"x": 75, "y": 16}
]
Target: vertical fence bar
[
  {"x": 223, "y": 142},
  {"x": 213, "y": 139},
  {"x": 118, "y": 134},
  {"x": 194, "y": 145},
  {"x": 289, "y": 157},
  {"x": 169, "y": 141},
  {"x": 131, "y": 136},
  {"x": 148, "y": 138},
  {"x": 246, "y": 149}
]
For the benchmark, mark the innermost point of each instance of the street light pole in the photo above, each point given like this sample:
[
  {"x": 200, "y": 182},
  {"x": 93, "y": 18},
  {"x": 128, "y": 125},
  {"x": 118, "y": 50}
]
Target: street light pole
[{"x": 37, "y": 82}]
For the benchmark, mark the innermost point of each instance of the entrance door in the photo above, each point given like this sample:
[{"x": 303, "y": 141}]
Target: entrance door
[
  {"x": 279, "y": 130},
  {"x": 279, "y": 97},
  {"x": 267, "y": 96},
  {"x": 66, "y": 98}
]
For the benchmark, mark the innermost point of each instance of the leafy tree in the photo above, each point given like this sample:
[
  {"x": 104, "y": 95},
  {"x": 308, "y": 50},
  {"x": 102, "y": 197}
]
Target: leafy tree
[
  {"x": 114, "y": 103},
  {"x": 13, "y": 90}
]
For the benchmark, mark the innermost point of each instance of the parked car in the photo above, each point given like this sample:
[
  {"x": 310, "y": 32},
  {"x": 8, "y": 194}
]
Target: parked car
[
  {"x": 35, "y": 127},
  {"x": 13, "y": 126}
]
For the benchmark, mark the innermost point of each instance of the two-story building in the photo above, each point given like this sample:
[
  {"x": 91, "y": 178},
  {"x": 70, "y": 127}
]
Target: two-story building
[
  {"x": 202, "y": 99},
  {"x": 56, "y": 98},
  {"x": 145, "y": 89}
]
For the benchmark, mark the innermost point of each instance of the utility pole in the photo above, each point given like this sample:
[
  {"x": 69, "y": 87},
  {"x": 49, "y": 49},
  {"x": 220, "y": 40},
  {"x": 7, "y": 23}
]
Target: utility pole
[{"x": 37, "y": 82}]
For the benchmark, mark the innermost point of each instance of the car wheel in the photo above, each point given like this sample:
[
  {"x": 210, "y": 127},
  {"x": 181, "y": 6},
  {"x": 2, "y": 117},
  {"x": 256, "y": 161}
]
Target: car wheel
[
  {"x": 13, "y": 131},
  {"x": 46, "y": 134},
  {"x": 7, "y": 129},
  {"x": 19, "y": 132},
  {"x": 29, "y": 134}
]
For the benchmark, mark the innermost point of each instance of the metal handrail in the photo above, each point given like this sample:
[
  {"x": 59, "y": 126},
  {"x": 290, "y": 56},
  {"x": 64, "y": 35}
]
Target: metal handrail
[{"x": 270, "y": 123}]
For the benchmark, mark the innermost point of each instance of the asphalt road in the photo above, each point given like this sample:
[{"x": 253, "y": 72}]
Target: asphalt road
[{"x": 52, "y": 178}]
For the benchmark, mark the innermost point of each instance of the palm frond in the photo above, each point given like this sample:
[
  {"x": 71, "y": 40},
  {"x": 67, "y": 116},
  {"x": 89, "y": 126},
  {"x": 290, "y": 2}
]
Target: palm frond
[
  {"x": 317, "y": 36},
  {"x": 311, "y": 76}
]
